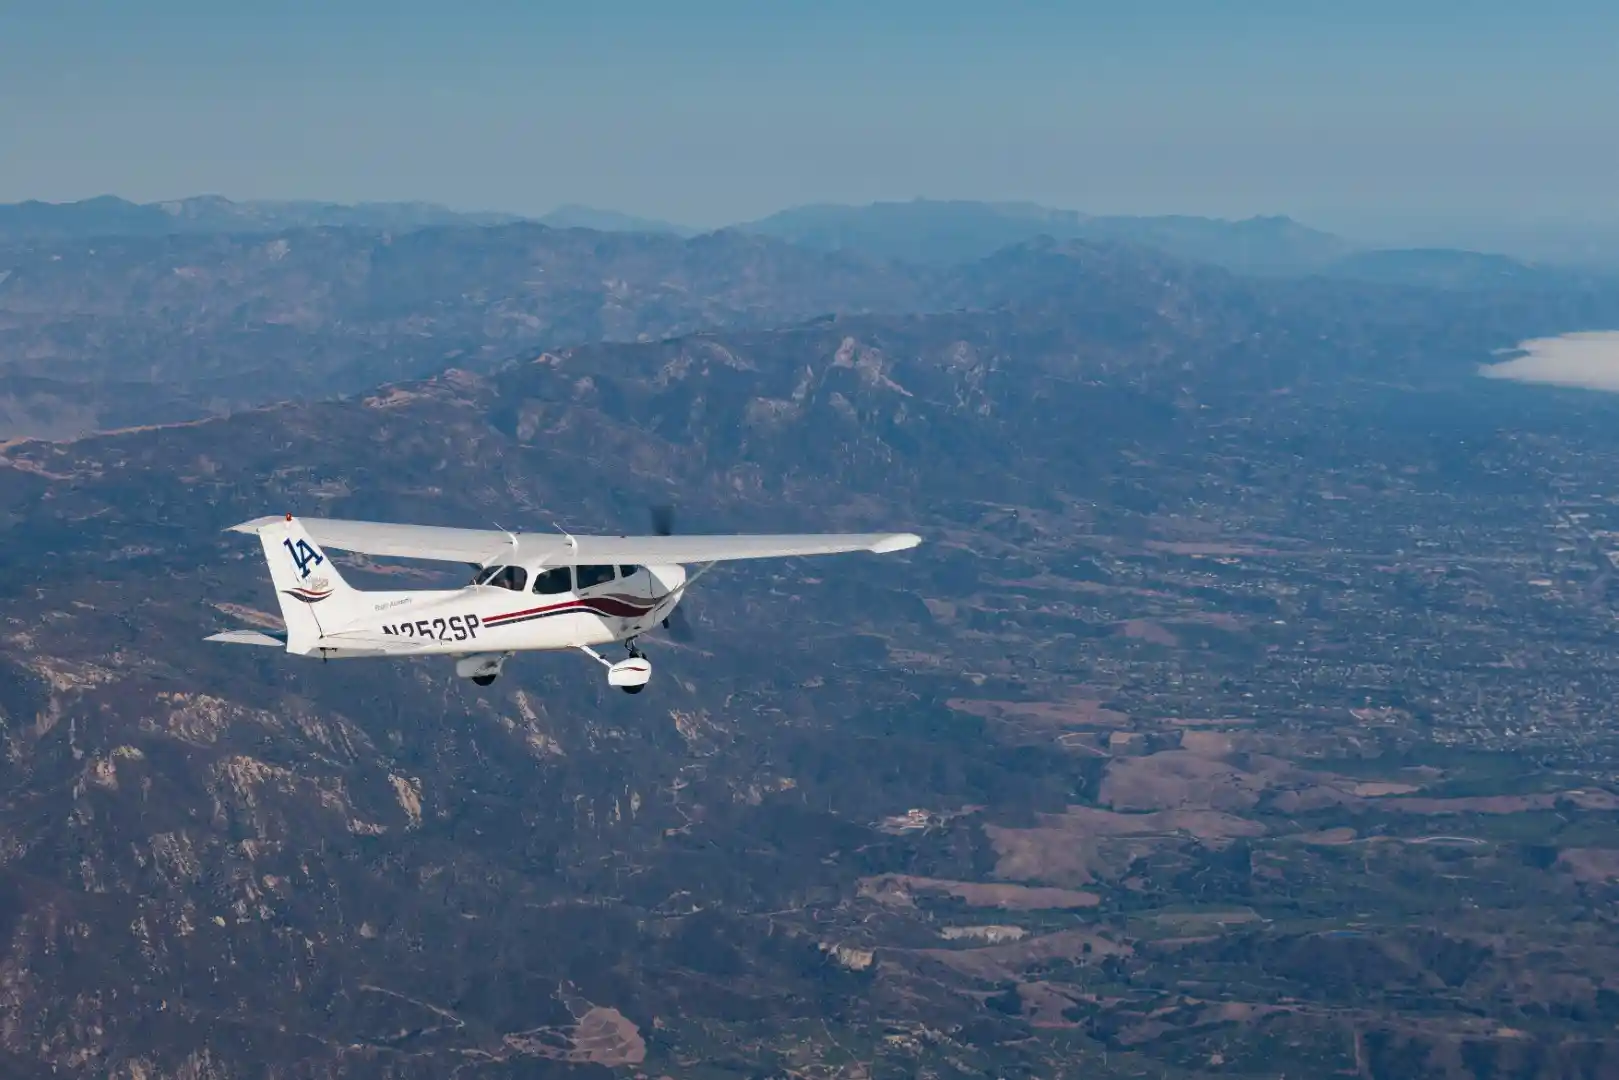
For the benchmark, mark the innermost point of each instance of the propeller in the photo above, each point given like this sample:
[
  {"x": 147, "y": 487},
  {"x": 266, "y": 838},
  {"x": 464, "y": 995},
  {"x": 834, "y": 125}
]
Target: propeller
[{"x": 663, "y": 524}]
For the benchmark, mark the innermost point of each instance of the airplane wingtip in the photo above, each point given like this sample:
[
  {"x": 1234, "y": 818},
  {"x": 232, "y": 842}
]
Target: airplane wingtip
[{"x": 896, "y": 542}]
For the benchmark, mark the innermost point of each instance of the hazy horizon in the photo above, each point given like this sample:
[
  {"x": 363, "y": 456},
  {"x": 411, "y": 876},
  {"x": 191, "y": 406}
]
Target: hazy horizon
[{"x": 1552, "y": 241}]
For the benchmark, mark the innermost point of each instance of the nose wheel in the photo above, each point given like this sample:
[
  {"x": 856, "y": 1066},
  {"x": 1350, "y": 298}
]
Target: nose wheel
[{"x": 629, "y": 675}]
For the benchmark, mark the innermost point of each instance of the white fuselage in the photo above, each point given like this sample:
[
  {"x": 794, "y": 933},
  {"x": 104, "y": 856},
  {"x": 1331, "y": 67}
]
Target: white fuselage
[{"x": 507, "y": 609}]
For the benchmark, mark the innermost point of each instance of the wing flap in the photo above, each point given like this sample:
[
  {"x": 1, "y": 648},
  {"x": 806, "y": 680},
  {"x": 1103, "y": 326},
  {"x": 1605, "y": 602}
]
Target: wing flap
[{"x": 438, "y": 542}]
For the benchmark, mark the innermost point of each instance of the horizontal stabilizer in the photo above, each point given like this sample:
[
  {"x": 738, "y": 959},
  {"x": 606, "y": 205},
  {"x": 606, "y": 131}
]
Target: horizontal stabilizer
[{"x": 249, "y": 637}]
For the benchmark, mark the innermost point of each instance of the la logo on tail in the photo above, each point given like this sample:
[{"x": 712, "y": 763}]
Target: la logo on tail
[{"x": 306, "y": 558}]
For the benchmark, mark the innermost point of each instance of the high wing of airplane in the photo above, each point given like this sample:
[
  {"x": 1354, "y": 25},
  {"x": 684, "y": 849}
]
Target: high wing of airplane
[
  {"x": 531, "y": 592},
  {"x": 480, "y": 546}
]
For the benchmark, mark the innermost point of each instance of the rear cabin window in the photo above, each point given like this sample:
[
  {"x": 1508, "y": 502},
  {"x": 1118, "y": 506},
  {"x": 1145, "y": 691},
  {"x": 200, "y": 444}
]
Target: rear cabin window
[
  {"x": 553, "y": 581},
  {"x": 589, "y": 576},
  {"x": 628, "y": 571}
]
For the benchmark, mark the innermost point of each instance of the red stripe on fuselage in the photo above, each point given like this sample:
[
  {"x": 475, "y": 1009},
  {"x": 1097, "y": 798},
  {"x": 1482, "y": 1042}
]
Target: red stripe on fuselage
[{"x": 611, "y": 606}]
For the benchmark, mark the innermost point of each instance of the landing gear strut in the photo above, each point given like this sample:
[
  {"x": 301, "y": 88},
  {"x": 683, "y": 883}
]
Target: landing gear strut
[{"x": 635, "y": 655}]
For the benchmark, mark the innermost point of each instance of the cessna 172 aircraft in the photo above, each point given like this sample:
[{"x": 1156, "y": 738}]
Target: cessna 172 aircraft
[{"x": 531, "y": 591}]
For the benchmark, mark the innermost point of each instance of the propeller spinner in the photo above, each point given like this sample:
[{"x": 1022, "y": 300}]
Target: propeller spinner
[{"x": 663, "y": 524}]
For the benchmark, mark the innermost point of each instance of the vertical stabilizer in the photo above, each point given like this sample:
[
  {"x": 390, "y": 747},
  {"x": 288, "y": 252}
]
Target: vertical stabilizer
[{"x": 314, "y": 598}]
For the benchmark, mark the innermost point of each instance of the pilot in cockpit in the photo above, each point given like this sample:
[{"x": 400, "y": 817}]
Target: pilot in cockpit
[{"x": 504, "y": 577}]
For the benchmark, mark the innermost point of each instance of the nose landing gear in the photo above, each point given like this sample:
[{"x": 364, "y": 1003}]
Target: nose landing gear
[{"x": 629, "y": 675}]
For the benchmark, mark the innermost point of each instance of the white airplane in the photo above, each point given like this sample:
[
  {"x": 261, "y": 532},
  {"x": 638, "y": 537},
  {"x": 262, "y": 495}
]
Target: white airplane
[{"x": 531, "y": 591}]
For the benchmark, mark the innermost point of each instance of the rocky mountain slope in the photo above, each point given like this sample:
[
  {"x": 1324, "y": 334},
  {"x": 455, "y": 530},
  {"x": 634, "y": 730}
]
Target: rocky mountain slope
[{"x": 1241, "y": 714}]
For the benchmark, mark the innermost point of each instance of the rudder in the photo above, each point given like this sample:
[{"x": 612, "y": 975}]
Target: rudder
[{"x": 314, "y": 598}]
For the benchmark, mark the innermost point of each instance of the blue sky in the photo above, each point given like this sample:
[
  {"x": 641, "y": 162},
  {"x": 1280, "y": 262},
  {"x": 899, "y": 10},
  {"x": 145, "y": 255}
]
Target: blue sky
[{"x": 706, "y": 112}]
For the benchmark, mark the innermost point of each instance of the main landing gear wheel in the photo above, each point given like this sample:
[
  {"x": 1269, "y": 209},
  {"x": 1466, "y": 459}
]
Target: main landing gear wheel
[{"x": 481, "y": 668}]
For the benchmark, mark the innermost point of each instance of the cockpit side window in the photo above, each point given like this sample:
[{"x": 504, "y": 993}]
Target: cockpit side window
[
  {"x": 553, "y": 581},
  {"x": 590, "y": 576},
  {"x": 628, "y": 571},
  {"x": 509, "y": 577},
  {"x": 502, "y": 577}
]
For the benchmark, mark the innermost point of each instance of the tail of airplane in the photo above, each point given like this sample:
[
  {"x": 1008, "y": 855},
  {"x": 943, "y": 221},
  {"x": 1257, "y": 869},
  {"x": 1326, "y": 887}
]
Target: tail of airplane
[{"x": 314, "y": 598}]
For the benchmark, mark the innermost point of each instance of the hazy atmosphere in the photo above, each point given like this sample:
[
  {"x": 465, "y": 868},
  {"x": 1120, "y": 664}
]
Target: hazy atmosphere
[{"x": 1447, "y": 117}]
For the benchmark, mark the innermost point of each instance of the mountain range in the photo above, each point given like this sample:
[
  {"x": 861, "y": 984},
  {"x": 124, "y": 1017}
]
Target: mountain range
[
  {"x": 226, "y": 319},
  {"x": 1243, "y": 711},
  {"x": 940, "y": 232},
  {"x": 930, "y": 231},
  {"x": 109, "y": 215},
  {"x": 126, "y": 330},
  {"x": 919, "y": 231}
]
